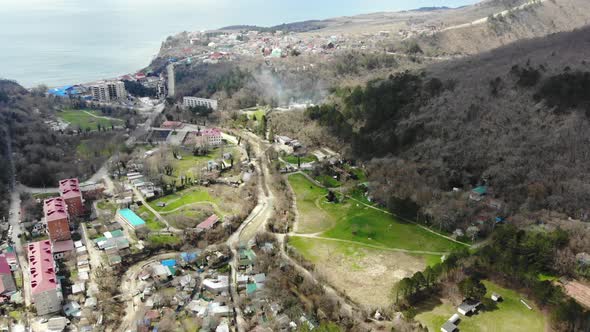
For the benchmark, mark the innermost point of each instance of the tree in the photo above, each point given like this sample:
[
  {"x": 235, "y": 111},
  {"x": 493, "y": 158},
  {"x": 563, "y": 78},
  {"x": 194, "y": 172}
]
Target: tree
[
  {"x": 472, "y": 288},
  {"x": 419, "y": 280}
]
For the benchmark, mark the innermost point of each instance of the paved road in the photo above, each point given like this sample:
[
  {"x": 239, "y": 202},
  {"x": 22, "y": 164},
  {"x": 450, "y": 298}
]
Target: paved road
[{"x": 21, "y": 253}]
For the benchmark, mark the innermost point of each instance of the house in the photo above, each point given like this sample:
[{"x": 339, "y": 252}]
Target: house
[
  {"x": 79, "y": 287},
  {"x": 56, "y": 219},
  {"x": 130, "y": 218},
  {"x": 7, "y": 285},
  {"x": 448, "y": 327},
  {"x": 72, "y": 309},
  {"x": 208, "y": 223},
  {"x": 478, "y": 193},
  {"x": 217, "y": 285},
  {"x": 496, "y": 297},
  {"x": 69, "y": 190},
  {"x": 217, "y": 309},
  {"x": 160, "y": 272},
  {"x": 63, "y": 249},
  {"x": 45, "y": 287},
  {"x": 282, "y": 139},
  {"x": 57, "y": 324},
  {"x": 467, "y": 308},
  {"x": 172, "y": 125}
]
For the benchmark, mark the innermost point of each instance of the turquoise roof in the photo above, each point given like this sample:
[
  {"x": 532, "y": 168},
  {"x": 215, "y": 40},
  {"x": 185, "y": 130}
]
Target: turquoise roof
[
  {"x": 250, "y": 288},
  {"x": 482, "y": 190},
  {"x": 117, "y": 233},
  {"x": 131, "y": 217}
]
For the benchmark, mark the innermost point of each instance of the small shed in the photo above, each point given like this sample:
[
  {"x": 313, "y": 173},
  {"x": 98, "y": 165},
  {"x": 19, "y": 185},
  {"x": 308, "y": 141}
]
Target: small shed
[
  {"x": 448, "y": 327},
  {"x": 496, "y": 297},
  {"x": 454, "y": 318}
]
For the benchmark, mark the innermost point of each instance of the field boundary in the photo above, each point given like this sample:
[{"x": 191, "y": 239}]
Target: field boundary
[{"x": 407, "y": 251}]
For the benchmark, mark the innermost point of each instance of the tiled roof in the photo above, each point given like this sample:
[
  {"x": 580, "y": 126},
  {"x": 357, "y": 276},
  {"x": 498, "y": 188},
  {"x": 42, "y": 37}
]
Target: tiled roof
[
  {"x": 69, "y": 188},
  {"x": 54, "y": 209},
  {"x": 41, "y": 267}
]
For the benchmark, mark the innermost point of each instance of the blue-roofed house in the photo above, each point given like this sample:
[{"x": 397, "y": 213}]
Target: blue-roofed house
[
  {"x": 169, "y": 262},
  {"x": 64, "y": 91},
  {"x": 129, "y": 217}
]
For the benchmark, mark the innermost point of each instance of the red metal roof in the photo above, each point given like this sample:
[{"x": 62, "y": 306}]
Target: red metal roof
[
  {"x": 69, "y": 188},
  {"x": 41, "y": 267},
  {"x": 54, "y": 209},
  {"x": 4, "y": 267},
  {"x": 208, "y": 222}
]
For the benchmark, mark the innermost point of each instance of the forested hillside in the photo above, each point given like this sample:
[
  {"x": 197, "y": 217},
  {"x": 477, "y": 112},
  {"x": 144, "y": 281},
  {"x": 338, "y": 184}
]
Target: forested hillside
[
  {"x": 516, "y": 119},
  {"x": 42, "y": 156}
]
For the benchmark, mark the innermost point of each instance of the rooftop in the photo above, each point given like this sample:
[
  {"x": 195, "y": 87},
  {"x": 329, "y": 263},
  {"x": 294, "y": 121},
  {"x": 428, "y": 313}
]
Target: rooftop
[
  {"x": 54, "y": 209},
  {"x": 209, "y": 222},
  {"x": 131, "y": 217},
  {"x": 4, "y": 267},
  {"x": 41, "y": 267},
  {"x": 69, "y": 188},
  {"x": 63, "y": 246}
]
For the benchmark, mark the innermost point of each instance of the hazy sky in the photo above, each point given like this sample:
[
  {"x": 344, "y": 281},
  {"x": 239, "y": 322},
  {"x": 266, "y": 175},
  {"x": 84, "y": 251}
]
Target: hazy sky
[{"x": 216, "y": 13}]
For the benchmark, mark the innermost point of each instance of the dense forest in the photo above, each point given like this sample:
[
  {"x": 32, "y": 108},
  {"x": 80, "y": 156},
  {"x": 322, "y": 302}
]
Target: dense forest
[
  {"x": 516, "y": 119},
  {"x": 42, "y": 156}
]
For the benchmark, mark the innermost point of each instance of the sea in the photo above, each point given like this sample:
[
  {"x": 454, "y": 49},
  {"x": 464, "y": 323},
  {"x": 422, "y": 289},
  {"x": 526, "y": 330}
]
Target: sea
[{"x": 57, "y": 42}]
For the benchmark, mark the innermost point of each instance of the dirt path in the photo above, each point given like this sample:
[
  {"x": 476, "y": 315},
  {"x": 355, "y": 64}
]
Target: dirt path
[
  {"x": 102, "y": 117},
  {"x": 156, "y": 213},
  {"x": 502, "y": 13},
  {"x": 579, "y": 291},
  {"x": 214, "y": 205}
]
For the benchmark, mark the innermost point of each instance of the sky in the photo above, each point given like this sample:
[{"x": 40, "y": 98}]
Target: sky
[{"x": 228, "y": 12}]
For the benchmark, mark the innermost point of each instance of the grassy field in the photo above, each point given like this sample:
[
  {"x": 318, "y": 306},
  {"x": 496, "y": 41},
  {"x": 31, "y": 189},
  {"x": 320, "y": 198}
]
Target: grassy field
[
  {"x": 160, "y": 239},
  {"x": 359, "y": 271},
  {"x": 182, "y": 198},
  {"x": 150, "y": 219},
  {"x": 191, "y": 166},
  {"x": 508, "y": 315},
  {"x": 350, "y": 220},
  {"x": 83, "y": 120},
  {"x": 304, "y": 159}
]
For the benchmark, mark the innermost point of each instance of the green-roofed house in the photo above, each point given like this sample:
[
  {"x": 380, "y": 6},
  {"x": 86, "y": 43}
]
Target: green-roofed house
[
  {"x": 478, "y": 193},
  {"x": 117, "y": 233},
  {"x": 129, "y": 218},
  {"x": 251, "y": 288},
  {"x": 247, "y": 257}
]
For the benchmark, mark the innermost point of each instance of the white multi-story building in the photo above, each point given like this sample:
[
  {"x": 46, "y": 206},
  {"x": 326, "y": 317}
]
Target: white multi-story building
[
  {"x": 108, "y": 91},
  {"x": 194, "y": 102}
]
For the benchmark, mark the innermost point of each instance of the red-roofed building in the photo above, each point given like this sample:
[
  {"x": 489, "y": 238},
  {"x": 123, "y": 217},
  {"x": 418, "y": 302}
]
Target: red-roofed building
[
  {"x": 45, "y": 288},
  {"x": 56, "y": 219},
  {"x": 7, "y": 285},
  {"x": 208, "y": 223},
  {"x": 69, "y": 190},
  {"x": 172, "y": 125}
]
